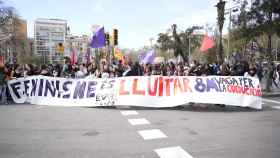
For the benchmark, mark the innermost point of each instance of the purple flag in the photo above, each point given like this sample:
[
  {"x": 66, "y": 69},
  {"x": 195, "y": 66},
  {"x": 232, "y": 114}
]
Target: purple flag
[
  {"x": 141, "y": 56},
  {"x": 98, "y": 38},
  {"x": 149, "y": 57}
]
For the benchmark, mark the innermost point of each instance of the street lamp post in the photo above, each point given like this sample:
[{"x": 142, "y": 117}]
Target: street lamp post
[
  {"x": 229, "y": 29},
  {"x": 230, "y": 10},
  {"x": 189, "y": 56},
  {"x": 276, "y": 54},
  {"x": 151, "y": 42}
]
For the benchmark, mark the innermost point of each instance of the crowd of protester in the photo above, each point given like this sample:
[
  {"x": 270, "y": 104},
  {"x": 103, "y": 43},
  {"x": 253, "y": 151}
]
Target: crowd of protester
[{"x": 118, "y": 69}]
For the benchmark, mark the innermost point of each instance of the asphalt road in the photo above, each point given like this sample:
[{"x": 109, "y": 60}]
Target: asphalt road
[{"x": 201, "y": 131}]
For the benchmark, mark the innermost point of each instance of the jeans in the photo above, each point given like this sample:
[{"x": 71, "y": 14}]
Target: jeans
[{"x": 3, "y": 95}]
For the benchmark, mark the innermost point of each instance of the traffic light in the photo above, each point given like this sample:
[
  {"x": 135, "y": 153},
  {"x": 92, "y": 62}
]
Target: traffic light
[
  {"x": 115, "y": 37},
  {"x": 107, "y": 38}
]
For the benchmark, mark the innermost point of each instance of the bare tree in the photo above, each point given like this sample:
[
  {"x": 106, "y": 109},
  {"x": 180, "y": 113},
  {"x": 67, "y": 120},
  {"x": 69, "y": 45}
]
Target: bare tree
[{"x": 7, "y": 14}]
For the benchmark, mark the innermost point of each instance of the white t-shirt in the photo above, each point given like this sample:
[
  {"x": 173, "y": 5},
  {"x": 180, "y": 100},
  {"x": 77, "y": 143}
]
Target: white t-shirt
[
  {"x": 79, "y": 74},
  {"x": 246, "y": 74},
  {"x": 105, "y": 75}
]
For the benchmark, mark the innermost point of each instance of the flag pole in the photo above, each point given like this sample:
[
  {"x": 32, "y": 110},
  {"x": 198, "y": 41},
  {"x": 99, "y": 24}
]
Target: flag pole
[
  {"x": 113, "y": 53},
  {"x": 109, "y": 54},
  {"x": 97, "y": 59},
  {"x": 189, "y": 50}
]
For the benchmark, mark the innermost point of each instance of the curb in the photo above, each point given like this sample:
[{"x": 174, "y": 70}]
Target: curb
[{"x": 271, "y": 95}]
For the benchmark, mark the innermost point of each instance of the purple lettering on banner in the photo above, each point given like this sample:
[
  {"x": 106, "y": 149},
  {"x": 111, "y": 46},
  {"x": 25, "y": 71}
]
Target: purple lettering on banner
[
  {"x": 40, "y": 91},
  {"x": 15, "y": 87},
  {"x": 26, "y": 87},
  {"x": 57, "y": 82},
  {"x": 200, "y": 86},
  {"x": 66, "y": 89},
  {"x": 49, "y": 87},
  {"x": 79, "y": 90},
  {"x": 240, "y": 81},
  {"x": 34, "y": 87},
  {"x": 211, "y": 84},
  {"x": 91, "y": 89},
  {"x": 234, "y": 81},
  {"x": 225, "y": 81},
  {"x": 223, "y": 88},
  {"x": 218, "y": 80}
]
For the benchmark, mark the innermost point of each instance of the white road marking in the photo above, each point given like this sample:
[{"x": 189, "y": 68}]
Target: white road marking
[
  {"x": 271, "y": 101},
  {"x": 172, "y": 152},
  {"x": 139, "y": 121},
  {"x": 276, "y": 107},
  {"x": 129, "y": 112},
  {"x": 152, "y": 134}
]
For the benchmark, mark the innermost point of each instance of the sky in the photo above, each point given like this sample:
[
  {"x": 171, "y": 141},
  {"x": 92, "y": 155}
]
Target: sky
[{"x": 137, "y": 20}]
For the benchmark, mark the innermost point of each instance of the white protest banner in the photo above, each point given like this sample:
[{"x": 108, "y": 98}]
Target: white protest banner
[{"x": 147, "y": 91}]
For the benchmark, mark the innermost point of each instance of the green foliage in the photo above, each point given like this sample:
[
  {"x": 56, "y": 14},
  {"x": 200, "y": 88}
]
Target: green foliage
[
  {"x": 28, "y": 58},
  {"x": 263, "y": 19},
  {"x": 165, "y": 41},
  {"x": 178, "y": 43}
]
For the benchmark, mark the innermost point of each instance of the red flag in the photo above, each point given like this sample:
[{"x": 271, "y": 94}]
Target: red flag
[
  {"x": 207, "y": 43},
  {"x": 74, "y": 57}
]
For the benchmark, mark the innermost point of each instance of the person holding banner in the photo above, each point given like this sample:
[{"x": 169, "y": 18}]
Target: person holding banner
[
  {"x": 3, "y": 86},
  {"x": 252, "y": 72},
  {"x": 147, "y": 70}
]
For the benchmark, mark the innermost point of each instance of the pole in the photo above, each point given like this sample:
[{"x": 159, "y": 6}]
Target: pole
[
  {"x": 229, "y": 29},
  {"x": 151, "y": 42},
  {"x": 49, "y": 46},
  {"x": 189, "y": 50},
  {"x": 169, "y": 53},
  {"x": 109, "y": 54},
  {"x": 276, "y": 55},
  {"x": 96, "y": 57}
]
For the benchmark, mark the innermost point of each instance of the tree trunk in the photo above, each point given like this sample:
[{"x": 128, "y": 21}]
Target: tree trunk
[
  {"x": 220, "y": 59},
  {"x": 269, "y": 47},
  {"x": 269, "y": 44},
  {"x": 270, "y": 68}
]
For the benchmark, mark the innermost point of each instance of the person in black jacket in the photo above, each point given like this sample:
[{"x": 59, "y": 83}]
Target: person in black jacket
[
  {"x": 137, "y": 70},
  {"x": 45, "y": 71}
]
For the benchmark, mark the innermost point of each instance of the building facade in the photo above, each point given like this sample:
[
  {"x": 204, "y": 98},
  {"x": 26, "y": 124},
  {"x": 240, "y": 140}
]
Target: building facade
[
  {"x": 80, "y": 44},
  {"x": 48, "y": 35}
]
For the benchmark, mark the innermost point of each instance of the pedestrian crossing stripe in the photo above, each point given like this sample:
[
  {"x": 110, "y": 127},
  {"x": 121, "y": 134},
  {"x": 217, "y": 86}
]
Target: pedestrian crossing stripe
[
  {"x": 129, "y": 112},
  {"x": 138, "y": 121},
  {"x": 152, "y": 134},
  {"x": 172, "y": 152},
  {"x": 276, "y": 107}
]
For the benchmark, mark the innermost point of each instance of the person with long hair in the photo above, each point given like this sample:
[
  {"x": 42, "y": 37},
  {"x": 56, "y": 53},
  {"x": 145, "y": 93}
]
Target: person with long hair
[{"x": 3, "y": 86}]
